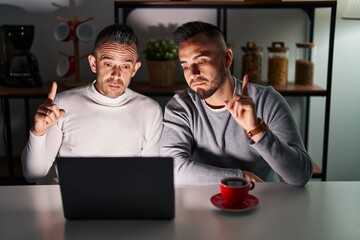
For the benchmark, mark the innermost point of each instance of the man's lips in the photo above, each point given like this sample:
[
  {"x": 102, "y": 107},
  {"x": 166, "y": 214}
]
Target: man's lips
[
  {"x": 116, "y": 85},
  {"x": 198, "y": 82}
]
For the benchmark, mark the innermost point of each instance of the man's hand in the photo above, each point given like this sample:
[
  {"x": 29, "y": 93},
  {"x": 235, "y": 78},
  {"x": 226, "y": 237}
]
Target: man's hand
[
  {"x": 251, "y": 177},
  {"x": 242, "y": 108},
  {"x": 47, "y": 114}
]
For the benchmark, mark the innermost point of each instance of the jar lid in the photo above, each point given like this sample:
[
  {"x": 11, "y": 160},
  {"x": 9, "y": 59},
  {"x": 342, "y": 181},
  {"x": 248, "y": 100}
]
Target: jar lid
[
  {"x": 278, "y": 47},
  {"x": 251, "y": 46},
  {"x": 306, "y": 45}
]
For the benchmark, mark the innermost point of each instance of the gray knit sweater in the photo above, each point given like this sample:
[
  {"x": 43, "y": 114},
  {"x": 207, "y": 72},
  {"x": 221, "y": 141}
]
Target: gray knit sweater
[{"x": 208, "y": 144}]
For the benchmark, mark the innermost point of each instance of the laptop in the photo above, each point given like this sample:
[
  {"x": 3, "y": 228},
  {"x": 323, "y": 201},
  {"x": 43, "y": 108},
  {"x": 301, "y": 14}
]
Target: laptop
[{"x": 117, "y": 187}]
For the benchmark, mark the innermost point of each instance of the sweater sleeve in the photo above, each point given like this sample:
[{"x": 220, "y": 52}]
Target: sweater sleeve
[
  {"x": 281, "y": 146},
  {"x": 153, "y": 133},
  {"x": 177, "y": 142},
  {"x": 39, "y": 154}
]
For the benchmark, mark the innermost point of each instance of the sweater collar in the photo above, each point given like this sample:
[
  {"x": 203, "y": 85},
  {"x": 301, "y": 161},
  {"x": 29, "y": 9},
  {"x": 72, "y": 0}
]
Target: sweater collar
[{"x": 97, "y": 97}]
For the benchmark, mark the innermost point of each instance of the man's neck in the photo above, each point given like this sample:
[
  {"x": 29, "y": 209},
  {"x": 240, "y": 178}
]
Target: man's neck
[{"x": 224, "y": 93}]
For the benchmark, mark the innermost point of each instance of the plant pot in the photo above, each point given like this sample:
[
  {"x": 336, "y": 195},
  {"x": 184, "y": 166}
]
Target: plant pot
[{"x": 161, "y": 73}]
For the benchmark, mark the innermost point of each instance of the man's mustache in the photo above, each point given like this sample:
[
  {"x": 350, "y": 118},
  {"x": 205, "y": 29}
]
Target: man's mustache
[{"x": 197, "y": 80}]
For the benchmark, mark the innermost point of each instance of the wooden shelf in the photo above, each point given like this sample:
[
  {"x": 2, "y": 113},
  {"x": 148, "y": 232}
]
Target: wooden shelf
[
  {"x": 301, "y": 90},
  {"x": 123, "y": 10},
  {"x": 15, "y": 92},
  {"x": 31, "y": 92},
  {"x": 290, "y": 90},
  {"x": 219, "y": 4},
  {"x": 145, "y": 88}
]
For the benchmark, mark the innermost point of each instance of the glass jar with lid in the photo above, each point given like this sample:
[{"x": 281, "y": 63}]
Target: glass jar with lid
[
  {"x": 304, "y": 67},
  {"x": 278, "y": 64},
  {"x": 251, "y": 61}
]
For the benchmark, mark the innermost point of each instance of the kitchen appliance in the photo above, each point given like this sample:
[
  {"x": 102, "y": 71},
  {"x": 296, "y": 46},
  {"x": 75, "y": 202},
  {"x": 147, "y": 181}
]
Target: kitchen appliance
[{"x": 18, "y": 66}]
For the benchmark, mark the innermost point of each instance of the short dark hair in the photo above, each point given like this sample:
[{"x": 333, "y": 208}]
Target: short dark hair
[
  {"x": 119, "y": 33},
  {"x": 190, "y": 29}
]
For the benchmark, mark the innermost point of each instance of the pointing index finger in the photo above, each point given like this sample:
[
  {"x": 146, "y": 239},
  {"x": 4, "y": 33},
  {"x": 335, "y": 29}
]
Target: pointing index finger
[
  {"x": 244, "y": 90},
  {"x": 52, "y": 93}
]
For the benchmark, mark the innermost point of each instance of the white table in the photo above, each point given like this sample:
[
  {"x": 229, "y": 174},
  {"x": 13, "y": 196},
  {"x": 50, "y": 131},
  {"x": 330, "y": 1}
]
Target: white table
[{"x": 321, "y": 210}]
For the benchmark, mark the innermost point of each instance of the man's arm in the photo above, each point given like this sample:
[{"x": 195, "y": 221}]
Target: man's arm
[
  {"x": 39, "y": 154},
  {"x": 152, "y": 145},
  {"x": 42, "y": 146},
  {"x": 176, "y": 141},
  {"x": 281, "y": 145}
]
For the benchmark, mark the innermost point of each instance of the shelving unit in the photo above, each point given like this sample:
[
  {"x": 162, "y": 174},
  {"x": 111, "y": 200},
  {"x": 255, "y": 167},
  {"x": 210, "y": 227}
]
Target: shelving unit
[{"x": 124, "y": 8}]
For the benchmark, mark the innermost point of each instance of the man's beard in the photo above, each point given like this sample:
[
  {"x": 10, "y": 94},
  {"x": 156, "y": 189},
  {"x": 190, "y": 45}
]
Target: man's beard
[{"x": 203, "y": 94}]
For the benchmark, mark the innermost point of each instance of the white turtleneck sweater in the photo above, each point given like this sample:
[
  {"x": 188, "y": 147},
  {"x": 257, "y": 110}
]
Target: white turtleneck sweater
[{"x": 95, "y": 125}]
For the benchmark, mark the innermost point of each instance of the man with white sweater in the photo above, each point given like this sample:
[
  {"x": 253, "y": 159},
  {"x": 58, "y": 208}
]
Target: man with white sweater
[{"x": 104, "y": 118}]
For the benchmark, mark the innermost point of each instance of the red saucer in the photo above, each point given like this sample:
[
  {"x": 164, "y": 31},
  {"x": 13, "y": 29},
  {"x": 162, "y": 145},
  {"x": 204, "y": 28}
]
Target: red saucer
[{"x": 249, "y": 203}]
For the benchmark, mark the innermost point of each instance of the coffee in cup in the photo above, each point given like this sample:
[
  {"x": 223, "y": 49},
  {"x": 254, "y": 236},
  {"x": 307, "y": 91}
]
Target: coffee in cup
[{"x": 234, "y": 190}]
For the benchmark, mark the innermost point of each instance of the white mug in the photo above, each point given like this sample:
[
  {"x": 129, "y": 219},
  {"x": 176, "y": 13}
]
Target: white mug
[
  {"x": 65, "y": 66},
  {"x": 64, "y": 31},
  {"x": 85, "y": 32}
]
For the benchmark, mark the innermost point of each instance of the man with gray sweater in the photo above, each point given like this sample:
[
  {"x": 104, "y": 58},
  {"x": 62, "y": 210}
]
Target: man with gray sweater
[{"x": 222, "y": 126}]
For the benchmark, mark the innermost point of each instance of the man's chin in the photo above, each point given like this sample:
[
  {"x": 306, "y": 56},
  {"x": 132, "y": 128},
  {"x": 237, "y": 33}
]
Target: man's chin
[
  {"x": 114, "y": 94},
  {"x": 203, "y": 94}
]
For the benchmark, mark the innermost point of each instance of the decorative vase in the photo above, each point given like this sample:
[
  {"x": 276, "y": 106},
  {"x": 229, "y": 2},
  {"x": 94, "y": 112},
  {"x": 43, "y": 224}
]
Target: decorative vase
[{"x": 161, "y": 73}]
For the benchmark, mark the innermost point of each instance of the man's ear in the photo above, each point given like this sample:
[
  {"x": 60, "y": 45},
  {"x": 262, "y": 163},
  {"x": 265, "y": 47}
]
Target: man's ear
[
  {"x": 92, "y": 62},
  {"x": 136, "y": 68},
  {"x": 228, "y": 57}
]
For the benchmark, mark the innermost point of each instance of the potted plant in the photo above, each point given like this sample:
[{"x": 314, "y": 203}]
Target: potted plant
[{"x": 161, "y": 56}]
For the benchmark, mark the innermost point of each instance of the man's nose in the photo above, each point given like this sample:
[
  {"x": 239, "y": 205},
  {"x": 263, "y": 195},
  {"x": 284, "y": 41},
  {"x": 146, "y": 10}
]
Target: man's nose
[
  {"x": 194, "y": 70},
  {"x": 116, "y": 71}
]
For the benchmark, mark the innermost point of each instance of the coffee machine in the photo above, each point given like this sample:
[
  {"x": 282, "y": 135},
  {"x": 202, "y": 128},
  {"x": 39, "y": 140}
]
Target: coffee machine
[{"x": 18, "y": 66}]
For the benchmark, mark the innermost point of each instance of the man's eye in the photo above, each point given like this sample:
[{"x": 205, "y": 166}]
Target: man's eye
[
  {"x": 185, "y": 67},
  {"x": 201, "y": 62},
  {"x": 108, "y": 65},
  {"x": 125, "y": 67}
]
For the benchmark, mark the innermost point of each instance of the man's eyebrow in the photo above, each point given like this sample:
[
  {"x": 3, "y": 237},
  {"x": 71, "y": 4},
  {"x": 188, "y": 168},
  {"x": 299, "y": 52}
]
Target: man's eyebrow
[
  {"x": 201, "y": 54},
  {"x": 109, "y": 57},
  {"x": 106, "y": 57},
  {"x": 130, "y": 60}
]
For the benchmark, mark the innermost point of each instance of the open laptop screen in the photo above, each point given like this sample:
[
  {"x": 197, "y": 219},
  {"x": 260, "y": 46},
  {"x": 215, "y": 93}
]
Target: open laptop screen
[{"x": 117, "y": 187}]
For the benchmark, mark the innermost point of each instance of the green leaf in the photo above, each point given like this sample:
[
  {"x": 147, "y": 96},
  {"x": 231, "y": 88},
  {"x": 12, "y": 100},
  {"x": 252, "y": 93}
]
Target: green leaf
[{"x": 161, "y": 49}]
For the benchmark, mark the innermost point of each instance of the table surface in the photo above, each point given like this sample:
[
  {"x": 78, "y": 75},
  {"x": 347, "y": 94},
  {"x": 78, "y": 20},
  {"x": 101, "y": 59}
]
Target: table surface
[{"x": 320, "y": 210}]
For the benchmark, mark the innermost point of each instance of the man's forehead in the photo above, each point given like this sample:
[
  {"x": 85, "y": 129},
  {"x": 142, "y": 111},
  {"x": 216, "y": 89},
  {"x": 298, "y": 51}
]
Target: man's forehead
[
  {"x": 117, "y": 46},
  {"x": 196, "y": 48},
  {"x": 116, "y": 50}
]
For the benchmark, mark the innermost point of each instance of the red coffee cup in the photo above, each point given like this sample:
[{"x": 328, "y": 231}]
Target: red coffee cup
[{"x": 234, "y": 190}]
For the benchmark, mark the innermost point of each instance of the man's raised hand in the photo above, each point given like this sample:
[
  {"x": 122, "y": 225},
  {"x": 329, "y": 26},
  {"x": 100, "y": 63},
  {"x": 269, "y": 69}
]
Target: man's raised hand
[{"x": 47, "y": 113}]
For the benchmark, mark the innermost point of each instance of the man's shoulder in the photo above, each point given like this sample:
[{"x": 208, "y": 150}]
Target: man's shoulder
[
  {"x": 259, "y": 90},
  {"x": 73, "y": 91},
  {"x": 185, "y": 96},
  {"x": 186, "y": 99},
  {"x": 142, "y": 99}
]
